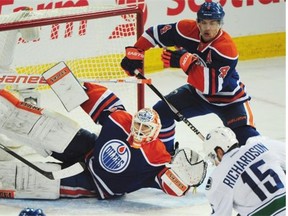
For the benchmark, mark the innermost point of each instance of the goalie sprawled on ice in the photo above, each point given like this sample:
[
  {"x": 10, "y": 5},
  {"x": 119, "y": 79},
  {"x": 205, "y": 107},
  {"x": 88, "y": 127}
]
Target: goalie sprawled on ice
[{"x": 126, "y": 155}]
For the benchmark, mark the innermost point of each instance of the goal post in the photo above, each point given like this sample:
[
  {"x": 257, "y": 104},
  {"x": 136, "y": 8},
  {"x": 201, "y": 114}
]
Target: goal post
[{"x": 90, "y": 40}]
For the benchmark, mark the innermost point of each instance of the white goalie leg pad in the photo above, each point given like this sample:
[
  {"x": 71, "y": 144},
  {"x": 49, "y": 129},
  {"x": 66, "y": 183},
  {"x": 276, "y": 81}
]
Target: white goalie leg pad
[
  {"x": 66, "y": 86},
  {"x": 43, "y": 130},
  {"x": 19, "y": 181},
  {"x": 19, "y": 149},
  {"x": 189, "y": 166}
]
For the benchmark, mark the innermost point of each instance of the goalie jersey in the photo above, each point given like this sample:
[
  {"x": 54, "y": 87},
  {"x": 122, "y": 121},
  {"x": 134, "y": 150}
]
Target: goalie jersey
[
  {"x": 116, "y": 167},
  {"x": 250, "y": 179},
  {"x": 214, "y": 77}
]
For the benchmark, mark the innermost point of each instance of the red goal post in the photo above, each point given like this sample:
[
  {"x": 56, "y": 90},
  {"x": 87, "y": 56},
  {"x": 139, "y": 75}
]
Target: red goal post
[{"x": 90, "y": 40}]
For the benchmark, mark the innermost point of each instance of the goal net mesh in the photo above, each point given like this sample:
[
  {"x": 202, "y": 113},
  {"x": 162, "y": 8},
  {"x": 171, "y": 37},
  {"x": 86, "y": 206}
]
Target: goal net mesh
[{"x": 90, "y": 40}]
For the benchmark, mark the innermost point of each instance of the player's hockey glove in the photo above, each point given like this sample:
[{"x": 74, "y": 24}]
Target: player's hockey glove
[
  {"x": 133, "y": 60},
  {"x": 178, "y": 59}
]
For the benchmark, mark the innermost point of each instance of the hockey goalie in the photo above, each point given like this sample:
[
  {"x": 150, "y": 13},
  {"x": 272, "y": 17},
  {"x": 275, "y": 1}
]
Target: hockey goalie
[{"x": 124, "y": 157}]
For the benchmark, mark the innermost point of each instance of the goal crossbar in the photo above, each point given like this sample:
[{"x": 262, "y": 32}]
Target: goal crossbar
[{"x": 24, "y": 19}]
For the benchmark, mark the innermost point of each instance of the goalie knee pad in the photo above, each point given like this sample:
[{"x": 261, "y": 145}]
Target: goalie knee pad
[{"x": 19, "y": 181}]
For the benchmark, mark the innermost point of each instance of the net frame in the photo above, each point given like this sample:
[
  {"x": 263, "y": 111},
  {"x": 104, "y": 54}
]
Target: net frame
[{"x": 74, "y": 14}]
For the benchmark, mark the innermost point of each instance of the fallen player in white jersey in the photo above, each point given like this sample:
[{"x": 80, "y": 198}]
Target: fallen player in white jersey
[{"x": 249, "y": 179}]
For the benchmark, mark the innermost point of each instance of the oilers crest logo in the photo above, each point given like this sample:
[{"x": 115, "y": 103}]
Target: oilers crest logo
[{"x": 114, "y": 156}]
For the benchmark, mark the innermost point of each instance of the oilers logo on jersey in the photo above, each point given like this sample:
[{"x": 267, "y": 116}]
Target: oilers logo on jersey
[{"x": 114, "y": 156}]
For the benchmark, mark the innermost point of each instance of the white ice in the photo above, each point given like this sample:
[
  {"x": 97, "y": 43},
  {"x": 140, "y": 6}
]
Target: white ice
[{"x": 265, "y": 81}]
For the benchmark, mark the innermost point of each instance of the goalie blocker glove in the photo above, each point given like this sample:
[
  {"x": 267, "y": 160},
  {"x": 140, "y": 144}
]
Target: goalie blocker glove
[
  {"x": 178, "y": 59},
  {"x": 133, "y": 60}
]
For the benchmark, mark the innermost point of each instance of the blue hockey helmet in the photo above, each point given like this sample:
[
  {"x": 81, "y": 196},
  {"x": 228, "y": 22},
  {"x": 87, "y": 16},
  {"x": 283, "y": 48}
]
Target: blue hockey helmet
[
  {"x": 31, "y": 212},
  {"x": 211, "y": 11}
]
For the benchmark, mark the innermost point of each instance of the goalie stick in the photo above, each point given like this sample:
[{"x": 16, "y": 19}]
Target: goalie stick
[
  {"x": 179, "y": 115},
  {"x": 53, "y": 175}
]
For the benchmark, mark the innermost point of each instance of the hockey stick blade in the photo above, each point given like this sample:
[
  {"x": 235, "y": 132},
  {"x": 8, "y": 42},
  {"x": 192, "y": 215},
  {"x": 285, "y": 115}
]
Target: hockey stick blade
[
  {"x": 53, "y": 175},
  {"x": 173, "y": 109}
]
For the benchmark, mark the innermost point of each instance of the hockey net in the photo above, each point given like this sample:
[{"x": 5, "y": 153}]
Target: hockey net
[{"x": 90, "y": 40}]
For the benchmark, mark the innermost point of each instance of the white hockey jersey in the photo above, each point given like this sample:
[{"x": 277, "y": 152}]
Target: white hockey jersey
[{"x": 250, "y": 180}]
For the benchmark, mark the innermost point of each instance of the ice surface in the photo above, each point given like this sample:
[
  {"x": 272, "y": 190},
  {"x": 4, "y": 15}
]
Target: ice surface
[{"x": 265, "y": 81}]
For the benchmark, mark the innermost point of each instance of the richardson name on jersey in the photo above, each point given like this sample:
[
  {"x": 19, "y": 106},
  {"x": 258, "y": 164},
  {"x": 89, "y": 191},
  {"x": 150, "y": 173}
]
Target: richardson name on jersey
[{"x": 239, "y": 166}]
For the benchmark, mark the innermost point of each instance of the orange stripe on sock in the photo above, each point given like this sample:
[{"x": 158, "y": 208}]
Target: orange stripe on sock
[{"x": 250, "y": 114}]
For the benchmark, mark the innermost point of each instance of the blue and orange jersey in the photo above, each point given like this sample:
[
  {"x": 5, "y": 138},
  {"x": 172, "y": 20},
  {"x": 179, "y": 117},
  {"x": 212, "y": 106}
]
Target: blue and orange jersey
[
  {"x": 101, "y": 102},
  {"x": 214, "y": 76},
  {"x": 116, "y": 167}
]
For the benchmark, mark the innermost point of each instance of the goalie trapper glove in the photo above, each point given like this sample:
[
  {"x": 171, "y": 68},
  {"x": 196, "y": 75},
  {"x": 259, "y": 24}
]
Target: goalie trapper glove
[
  {"x": 178, "y": 59},
  {"x": 189, "y": 166},
  {"x": 133, "y": 60}
]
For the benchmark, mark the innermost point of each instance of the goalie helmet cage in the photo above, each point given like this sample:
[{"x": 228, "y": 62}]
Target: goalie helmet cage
[{"x": 90, "y": 40}]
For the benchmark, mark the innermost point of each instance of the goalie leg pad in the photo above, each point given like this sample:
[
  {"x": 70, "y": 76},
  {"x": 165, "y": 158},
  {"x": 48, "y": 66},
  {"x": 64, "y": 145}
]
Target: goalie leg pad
[
  {"x": 19, "y": 181},
  {"x": 18, "y": 149},
  {"x": 43, "y": 130}
]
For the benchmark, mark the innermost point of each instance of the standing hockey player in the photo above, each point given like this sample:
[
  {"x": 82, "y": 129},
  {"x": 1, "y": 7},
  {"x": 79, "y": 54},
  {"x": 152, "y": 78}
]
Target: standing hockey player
[
  {"x": 251, "y": 178},
  {"x": 126, "y": 156},
  {"x": 209, "y": 57}
]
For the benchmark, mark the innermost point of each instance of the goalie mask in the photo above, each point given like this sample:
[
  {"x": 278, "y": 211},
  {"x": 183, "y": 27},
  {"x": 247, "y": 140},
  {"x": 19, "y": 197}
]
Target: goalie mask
[
  {"x": 145, "y": 127},
  {"x": 222, "y": 137}
]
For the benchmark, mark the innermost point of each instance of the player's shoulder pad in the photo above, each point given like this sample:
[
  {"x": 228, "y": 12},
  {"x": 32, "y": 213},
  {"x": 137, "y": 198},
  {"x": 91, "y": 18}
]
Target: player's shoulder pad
[
  {"x": 156, "y": 153},
  {"x": 188, "y": 28},
  {"x": 225, "y": 46},
  {"x": 123, "y": 119}
]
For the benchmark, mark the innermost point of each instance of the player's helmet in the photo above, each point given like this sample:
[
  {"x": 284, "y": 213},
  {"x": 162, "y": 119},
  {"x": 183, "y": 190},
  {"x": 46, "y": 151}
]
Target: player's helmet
[
  {"x": 145, "y": 126},
  {"x": 222, "y": 137},
  {"x": 31, "y": 212},
  {"x": 211, "y": 11}
]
